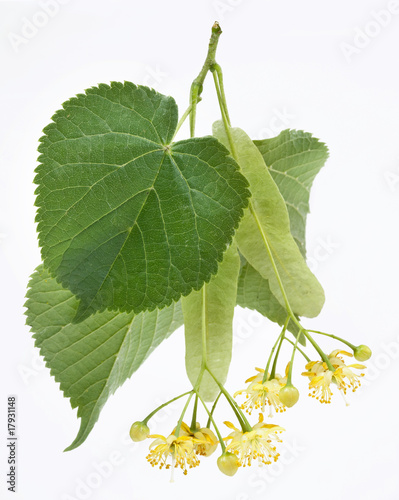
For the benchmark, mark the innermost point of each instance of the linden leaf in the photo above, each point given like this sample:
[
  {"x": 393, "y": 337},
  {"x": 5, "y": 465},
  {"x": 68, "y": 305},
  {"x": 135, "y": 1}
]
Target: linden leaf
[
  {"x": 294, "y": 158},
  {"x": 266, "y": 224},
  {"x": 92, "y": 359},
  {"x": 128, "y": 220},
  {"x": 210, "y": 312}
]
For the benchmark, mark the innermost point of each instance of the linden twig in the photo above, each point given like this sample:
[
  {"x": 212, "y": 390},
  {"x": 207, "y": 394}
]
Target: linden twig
[
  {"x": 177, "y": 430},
  {"x": 210, "y": 419},
  {"x": 319, "y": 350},
  {"x": 182, "y": 120},
  {"x": 147, "y": 418},
  {"x": 292, "y": 361},
  {"x": 217, "y": 68},
  {"x": 193, "y": 426},
  {"x": 245, "y": 425},
  {"x": 213, "y": 408},
  {"x": 353, "y": 347},
  {"x": 223, "y": 108},
  {"x": 197, "y": 85},
  {"x": 273, "y": 372},
  {"x": 298, "y": 349},
  {"x": 265, "y": 376}
]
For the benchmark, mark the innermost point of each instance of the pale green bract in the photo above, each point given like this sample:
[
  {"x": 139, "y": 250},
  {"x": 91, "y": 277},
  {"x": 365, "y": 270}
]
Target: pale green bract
[
  {"x": 127, "y": 219},
  {"x": 254, "y": 292},
  {"x": 267, "y": 223},
  {"x": 91, "y": 359},
  {"x": 294, "y": 158},
  {"x": 212, "y": 309}
]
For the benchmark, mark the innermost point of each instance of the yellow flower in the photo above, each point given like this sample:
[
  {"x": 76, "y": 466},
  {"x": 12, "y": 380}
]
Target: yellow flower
[
  {"x": 259, "y": 393},
  {"x": 181, "y": 449},
  {"x": 205, "y": 440},
  {"x": 256, "y": 444},
  {"x": 321, "y": 377},
  {"x": 343, "y": 371}
]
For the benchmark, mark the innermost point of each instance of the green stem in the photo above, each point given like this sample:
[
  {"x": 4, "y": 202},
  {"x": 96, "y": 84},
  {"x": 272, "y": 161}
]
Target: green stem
[
  {"x": 193, "y": 425},
  {"x": 204, "y": 329},
  {"x": 213, "y": 408},
  {"x": 353, "y": 347},
  {"x": 177, "y": 430},
  {"x": 214, "y": 424},
  {"x": 292, "y": 361},
  {"x": 163, "y": 406},
  {"x": 195, "y": 390},
  {"x": 319, "y": 350},
  {"x": 298, "y": 349},
  {"x": 197, "y": 85},
  {"x": 245, "y": 425},
  {"x": 265, "y": 375},
  {"x": 181, "y": 121},
  {"x": 218, "y": 69},
  {"x": 273, "y": 372},
  {"x": 223, "y": 108}
]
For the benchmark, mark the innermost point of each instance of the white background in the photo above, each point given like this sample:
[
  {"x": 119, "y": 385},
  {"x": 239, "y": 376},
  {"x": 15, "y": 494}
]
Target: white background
[{"x": 299, "y": 64}]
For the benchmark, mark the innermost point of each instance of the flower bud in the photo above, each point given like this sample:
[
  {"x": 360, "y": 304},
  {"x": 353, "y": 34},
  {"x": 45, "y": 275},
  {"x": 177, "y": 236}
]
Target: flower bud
[
  {"x": 289, "y": 395},
  {"x": 228, "y": 463},
  {"x": 139, "y": 431},
  {"x": 362, "y": 353}
]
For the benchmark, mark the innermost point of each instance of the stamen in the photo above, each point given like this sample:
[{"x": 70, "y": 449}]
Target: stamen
[
  {"x": 344, "y": 397},
  {"x": 172, "y": 479}
]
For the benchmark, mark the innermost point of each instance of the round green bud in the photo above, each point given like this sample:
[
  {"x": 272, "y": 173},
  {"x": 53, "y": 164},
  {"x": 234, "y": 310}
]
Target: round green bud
[
  {"x": 228, "y": 463},
  {"x": 139, "y": 431},
  {"x": 289, "y": 395},
  {"x": 362, "y": 353}
]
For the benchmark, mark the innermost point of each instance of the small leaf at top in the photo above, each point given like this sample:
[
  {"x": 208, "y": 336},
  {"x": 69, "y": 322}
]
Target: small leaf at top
[
  {"x": 126, "y": 219},
  {"x": 266, "y": 224},
  {"x": 92, "y": 359},
  {"x": 294, "y": 158}
]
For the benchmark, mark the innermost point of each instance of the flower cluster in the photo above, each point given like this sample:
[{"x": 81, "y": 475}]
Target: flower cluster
[
  {"x": 258, "y": 443},
  {"x": 242, "y": 447}
]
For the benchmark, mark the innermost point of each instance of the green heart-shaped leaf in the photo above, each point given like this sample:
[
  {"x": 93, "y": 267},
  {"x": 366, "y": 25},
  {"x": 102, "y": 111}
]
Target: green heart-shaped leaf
[
  {"x": 294, "y": 158},
  {"x": 92, "y": 359},
  {"x": 128, "y": 220}
]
